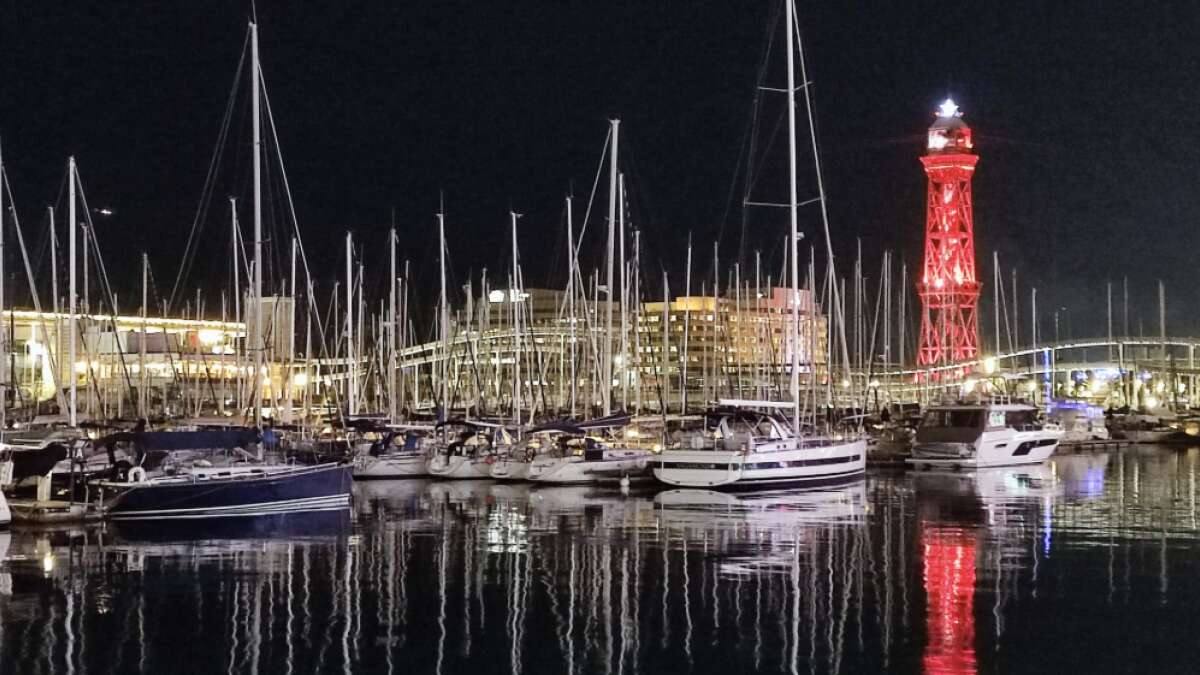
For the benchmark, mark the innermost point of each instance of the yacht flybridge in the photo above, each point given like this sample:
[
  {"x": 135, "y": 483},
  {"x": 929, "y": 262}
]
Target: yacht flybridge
[{"x": 998, "y": 432}]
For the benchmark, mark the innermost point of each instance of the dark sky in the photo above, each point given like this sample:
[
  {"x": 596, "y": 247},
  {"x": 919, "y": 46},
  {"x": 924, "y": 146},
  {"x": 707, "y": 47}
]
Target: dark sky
[{"x": 1083, "y": 114}]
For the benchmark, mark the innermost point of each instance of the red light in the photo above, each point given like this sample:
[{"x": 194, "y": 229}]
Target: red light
[{"x": 950, "y": 599}]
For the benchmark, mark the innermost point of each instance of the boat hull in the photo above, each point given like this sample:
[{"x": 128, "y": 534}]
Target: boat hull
[
  {"x": 458, "y": 467},
  {"x": 317, "y": 488},
  {"x": 407, "y": 465},
  {"x": 507, "y": 469},
  {"x": 812, "y": 465},
  {"x": 993, "y": 449},
  {"x": 578, "y": 471}
]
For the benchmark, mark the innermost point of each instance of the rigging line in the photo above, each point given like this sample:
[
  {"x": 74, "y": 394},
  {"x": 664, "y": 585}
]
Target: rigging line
[
  {"x": 314, "y": 313},
  {"x": 750, "y": 137},
  {"x": 209, "y": 181},
  {"x": 812, "y": 133},
  {"x": 166, "y": 343},
  {"x": 753, "y": 172},
  {"x": 775, "y": 205},
  {"x": 106, "y": 287},
  {"x": 37, "y": 304},
  {"x": 592, "y": 197},
  {"x": 291, "y": 207}
]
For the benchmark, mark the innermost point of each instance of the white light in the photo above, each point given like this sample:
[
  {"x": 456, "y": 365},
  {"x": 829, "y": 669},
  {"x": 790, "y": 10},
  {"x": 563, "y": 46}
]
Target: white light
[
  {"x": 48, "y": 563},
  {"x": 496, "y": 296},
  {"x": 948, "y": 108}
]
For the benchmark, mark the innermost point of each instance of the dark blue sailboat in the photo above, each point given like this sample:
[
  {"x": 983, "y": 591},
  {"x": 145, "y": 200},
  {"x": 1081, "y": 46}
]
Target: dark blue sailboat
[{"x": 204, "y": 490}]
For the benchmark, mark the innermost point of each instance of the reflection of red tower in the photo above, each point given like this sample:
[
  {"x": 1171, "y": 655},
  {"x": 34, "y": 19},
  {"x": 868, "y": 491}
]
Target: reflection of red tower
[
  {"x": 950, "y": 600},
  {"x": 948, "y": 288}
]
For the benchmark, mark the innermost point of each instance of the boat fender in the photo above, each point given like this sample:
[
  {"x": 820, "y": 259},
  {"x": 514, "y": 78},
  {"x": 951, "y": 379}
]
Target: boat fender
[{"x": 136, "y": 475}]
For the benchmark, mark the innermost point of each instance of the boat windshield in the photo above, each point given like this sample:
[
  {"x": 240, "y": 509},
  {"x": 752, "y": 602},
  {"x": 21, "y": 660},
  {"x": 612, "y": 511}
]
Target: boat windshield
[{"x": 953, "y": 419}]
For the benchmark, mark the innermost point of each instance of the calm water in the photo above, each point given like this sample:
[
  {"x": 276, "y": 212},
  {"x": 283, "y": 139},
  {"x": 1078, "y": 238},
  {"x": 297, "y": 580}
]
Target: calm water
[{"x": 1087, "y": 562}]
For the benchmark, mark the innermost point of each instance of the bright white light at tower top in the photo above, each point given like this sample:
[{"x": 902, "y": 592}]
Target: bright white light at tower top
[{"x": 948, "y": 108}]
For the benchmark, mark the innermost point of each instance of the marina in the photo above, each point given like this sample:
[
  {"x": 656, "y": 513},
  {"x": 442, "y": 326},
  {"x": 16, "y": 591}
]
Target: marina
[
  {"x": 887, "y": 407},
  {"x": 911, "y": 571}
]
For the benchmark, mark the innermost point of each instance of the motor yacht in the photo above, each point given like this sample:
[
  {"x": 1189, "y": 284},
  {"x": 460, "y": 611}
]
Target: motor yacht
[{"x": 998, "y": 432}]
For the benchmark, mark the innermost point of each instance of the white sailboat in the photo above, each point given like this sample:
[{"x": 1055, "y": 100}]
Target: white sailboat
[
  {"x": 742, "y": 447},
  {"x": 472, "y": 452},
  {"x": 403, "y": 452},
  {"x": 589, "y": 452}
]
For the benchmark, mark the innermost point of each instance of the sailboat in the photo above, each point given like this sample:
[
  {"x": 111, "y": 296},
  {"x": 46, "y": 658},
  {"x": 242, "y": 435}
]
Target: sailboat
[
  {"x": 742, "y": 445},
  {"x": 242, "y": 485}
]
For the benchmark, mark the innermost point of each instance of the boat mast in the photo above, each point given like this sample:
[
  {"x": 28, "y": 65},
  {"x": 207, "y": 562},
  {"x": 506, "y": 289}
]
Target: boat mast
[
  {"x": 73, "y": 404},
  {"x": 391, "y": 333},
  {"x": 289, "y": 383},
  {"x": 351, "y": 366},
  {"x": 606, "y": 387},
  {"x": 571, "y": 262},
  {"x": 3, "y": 351},
  {"x": 624, "y": 292},
  {"x": 55, "y": 354},
  {"x": 634, "y": 302},
  {"x": 514, "y": 298},
  {"x": 687, "y": 321},
  {"x": 794, "y": 241},
  {"x": 444, "y": 314},
  {"x": 256, "y": 117},
  {"x": 236, "y": 249},
  {"x": 142, "y": 342}
]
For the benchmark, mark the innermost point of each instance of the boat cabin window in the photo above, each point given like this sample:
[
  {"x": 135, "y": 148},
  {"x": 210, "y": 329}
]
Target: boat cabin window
[
  {"x": 1021, "y": 419},
  {"x": 953, "y": 419}
]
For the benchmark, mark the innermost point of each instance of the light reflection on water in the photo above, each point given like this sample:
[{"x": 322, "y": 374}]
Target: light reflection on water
[{"x": 1088, "y": 559}]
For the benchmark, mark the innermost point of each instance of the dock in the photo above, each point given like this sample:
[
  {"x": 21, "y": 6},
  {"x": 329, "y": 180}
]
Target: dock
[{"x": 1094, "y": 445}]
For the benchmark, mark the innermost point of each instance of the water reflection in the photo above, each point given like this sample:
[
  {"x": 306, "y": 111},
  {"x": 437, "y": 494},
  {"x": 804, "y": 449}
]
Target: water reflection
[{"x": 904, "y": 572}]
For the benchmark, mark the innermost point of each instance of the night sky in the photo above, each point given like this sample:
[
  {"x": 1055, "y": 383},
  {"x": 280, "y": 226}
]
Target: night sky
[{"x": 1083, "y": 114}]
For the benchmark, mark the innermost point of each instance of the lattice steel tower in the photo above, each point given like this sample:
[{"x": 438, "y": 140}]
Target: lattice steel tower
[{"x": 948, "y": 287}]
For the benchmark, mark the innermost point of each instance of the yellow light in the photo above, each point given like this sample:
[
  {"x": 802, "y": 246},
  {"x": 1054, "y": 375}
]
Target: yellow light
[
  {"x": 300, "y": 380},
  {"x": 989, "y": 365},
  {"x": 210, "y": 337},
  {"x": 1151, "y": 402},
  {"x": 48, "y": 563}
]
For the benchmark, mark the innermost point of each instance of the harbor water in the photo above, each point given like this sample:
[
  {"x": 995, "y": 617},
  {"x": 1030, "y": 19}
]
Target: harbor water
[{"x": 1089, "y": 561}]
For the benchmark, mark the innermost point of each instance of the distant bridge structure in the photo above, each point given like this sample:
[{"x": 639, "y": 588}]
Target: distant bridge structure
[{"x": 1054, "y": 363}]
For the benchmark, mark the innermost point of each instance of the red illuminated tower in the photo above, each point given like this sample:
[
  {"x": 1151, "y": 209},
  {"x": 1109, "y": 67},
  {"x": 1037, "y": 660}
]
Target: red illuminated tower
[{"x": 948, "y": 288}]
